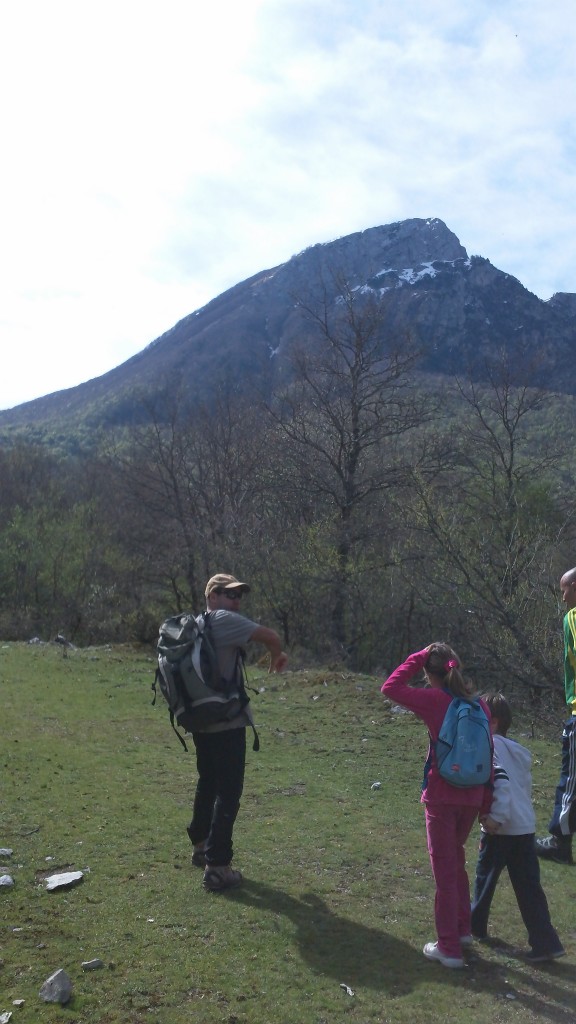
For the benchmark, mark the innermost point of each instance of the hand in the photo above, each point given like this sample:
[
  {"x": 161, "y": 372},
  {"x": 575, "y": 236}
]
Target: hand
[
  {"x": 489, "y": 824},
  {"x": 278, "y": 664}
]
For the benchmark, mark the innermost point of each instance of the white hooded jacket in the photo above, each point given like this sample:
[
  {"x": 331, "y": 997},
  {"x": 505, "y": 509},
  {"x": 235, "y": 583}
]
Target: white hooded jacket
[{"x": 512, "y": 800}]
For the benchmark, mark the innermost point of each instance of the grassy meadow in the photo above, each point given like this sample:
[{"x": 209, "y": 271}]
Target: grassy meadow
[{"x": 338, "y": 897}]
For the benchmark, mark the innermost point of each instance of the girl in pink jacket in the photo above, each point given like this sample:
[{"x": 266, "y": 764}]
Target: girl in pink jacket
[{"x": 450, "y": 810}]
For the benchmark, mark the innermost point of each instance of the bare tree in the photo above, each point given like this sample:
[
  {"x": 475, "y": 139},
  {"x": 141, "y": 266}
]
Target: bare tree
[
  {"x": 191, "y": 481},
  {"x": 490, "y": 524},
  {"x": 351, "y": 400}
]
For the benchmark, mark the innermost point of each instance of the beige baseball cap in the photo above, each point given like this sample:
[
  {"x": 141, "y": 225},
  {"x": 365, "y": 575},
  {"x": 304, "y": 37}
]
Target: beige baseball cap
[{"x": 223, "y": 581}]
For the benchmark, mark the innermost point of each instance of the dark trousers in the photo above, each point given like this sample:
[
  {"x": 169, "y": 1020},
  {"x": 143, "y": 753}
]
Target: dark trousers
[
  {"x": 518, "y": 855},
  {"x": 220, "y": 760},
  {"x": 563, "y": 820}
]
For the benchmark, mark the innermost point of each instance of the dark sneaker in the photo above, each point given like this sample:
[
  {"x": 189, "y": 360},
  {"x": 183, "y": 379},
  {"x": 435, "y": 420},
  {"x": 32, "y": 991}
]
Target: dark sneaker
[
  {"x": 556, "y": 848},
  {"x": 199, "y": 858},
  {"x": 539, "y": 958},
  {"x": 218, "y": 878}
]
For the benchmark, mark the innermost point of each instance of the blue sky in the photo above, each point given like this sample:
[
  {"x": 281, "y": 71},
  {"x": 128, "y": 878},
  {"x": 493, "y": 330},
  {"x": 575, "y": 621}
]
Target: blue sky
[{"x": 156, "y": 154}]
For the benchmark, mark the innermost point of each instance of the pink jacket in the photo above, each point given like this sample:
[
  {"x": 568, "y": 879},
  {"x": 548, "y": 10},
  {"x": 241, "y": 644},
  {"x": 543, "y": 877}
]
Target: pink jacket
[{"x": 430, "y": 705}]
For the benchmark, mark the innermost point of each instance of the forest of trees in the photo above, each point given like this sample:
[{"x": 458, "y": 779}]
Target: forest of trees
[{"x": 370, "y": 509}]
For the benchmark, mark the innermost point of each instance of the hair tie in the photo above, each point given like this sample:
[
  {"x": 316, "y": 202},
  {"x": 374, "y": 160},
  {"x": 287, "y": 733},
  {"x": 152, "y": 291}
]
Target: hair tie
[{"x": 451, "y": 664}]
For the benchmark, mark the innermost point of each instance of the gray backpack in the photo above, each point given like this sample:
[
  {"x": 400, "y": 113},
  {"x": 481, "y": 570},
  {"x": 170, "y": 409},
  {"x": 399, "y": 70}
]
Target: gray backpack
[{"x": 189, "y": 676}]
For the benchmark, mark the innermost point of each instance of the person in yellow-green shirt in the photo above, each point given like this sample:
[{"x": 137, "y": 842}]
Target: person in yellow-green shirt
[{"x": 558, "y": 845}]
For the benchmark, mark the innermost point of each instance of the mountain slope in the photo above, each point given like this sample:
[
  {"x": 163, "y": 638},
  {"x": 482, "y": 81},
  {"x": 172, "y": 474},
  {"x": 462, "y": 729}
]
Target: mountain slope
[{"x": 460, "y": 309}]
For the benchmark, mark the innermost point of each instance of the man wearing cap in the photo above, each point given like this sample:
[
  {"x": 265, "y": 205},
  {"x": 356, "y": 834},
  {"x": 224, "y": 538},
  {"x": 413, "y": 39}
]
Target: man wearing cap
[{"x": 221, "y": 748}]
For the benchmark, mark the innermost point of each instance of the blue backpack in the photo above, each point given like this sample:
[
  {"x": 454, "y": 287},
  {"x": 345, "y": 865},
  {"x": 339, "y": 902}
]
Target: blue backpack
[{"x": 464, "y": 746}]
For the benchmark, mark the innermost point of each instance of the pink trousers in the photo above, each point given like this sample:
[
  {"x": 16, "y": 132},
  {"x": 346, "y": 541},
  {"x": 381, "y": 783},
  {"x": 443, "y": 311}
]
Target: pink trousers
[{"x": 448, "y": 828}]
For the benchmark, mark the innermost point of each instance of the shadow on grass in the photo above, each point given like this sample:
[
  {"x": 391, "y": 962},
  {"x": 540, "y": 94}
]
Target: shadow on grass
[
  {"x": 547, "y": 990},
  {"x": 336, "y": 946}
]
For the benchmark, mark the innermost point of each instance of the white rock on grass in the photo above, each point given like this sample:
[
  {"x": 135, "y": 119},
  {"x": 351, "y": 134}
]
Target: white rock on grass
[
  {"x": 92, "y": 965},
  {"x": 6, "y": 881},
  {"x": 65, "y": 880},
  {"x": 57, "y": 988},
  {"x": 5, "y": 851}
]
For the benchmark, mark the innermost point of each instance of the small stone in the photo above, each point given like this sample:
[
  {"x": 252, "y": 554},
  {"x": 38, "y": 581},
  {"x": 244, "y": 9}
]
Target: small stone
[
  {"x": 5, "y": 1017},
  {"x": 92, "y": 965},
  {"x": 376, "y": 785},
  {"x": 18, "y": 1002},
  {"x": 6, "y": 880},
  {"x": 64, "y": 881},
  {"x": 57, "y": 988},
  {"x": 5, "y": 852}
]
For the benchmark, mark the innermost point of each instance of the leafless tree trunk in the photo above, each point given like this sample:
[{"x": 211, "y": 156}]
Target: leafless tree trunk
[{"x": 352, "y": 398}]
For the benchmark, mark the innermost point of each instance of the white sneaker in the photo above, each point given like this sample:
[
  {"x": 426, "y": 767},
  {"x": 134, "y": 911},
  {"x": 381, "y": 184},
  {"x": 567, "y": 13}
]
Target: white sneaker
[{"x": 433, "y": 953}]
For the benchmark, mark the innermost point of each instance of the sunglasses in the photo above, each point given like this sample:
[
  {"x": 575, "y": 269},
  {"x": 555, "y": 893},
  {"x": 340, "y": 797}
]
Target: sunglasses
[{"x": 234, "y": 595}]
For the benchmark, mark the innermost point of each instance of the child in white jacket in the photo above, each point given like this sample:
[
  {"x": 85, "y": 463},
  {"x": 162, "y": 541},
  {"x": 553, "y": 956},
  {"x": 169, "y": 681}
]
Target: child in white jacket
[{"x": 508, "y": 841}]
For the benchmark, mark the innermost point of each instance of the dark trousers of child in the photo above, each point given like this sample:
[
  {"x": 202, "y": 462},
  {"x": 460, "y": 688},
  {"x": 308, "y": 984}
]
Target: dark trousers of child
[
  {"x": 563, "y": 820},
  {"x": 518, "y": 855},
  {"x": 220, "y": 761}
]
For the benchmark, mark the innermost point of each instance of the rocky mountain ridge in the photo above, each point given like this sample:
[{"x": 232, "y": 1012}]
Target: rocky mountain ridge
[{"x": 461, "y": 310}]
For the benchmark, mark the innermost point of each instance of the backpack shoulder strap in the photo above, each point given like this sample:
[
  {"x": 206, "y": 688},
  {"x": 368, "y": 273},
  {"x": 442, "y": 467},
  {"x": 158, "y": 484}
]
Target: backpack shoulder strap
[
  {"x": 243, "y": 679},
  {"x": 153, "y": 687}
]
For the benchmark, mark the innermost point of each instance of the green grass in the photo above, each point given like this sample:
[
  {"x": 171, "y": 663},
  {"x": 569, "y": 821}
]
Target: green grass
[{"x": 337, "y": 890}]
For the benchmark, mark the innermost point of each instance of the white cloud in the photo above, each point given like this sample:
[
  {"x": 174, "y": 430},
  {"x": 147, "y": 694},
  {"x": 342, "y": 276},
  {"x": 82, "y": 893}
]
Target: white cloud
[{"x": 156, "y": 154}]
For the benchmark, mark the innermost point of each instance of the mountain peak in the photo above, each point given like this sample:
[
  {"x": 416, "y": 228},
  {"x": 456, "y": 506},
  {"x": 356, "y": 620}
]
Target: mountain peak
[
  {"x": 459, "y": 310},
  {"x": 397, "y": 246}
]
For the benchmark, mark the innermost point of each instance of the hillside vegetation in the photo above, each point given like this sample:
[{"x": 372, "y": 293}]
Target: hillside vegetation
[{"x": 371, "y": 509}]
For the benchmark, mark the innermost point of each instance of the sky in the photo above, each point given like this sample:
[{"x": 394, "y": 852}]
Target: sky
[{"x": 155, "y": 153}]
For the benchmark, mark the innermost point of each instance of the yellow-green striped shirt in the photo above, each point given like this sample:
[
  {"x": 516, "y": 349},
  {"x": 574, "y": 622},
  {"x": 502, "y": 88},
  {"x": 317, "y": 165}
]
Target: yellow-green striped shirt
[{"x": 570, "y": 658}]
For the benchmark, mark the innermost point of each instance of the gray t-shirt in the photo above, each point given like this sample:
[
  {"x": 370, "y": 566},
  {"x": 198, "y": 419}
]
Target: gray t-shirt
[{"x": 229, "y": 632}]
